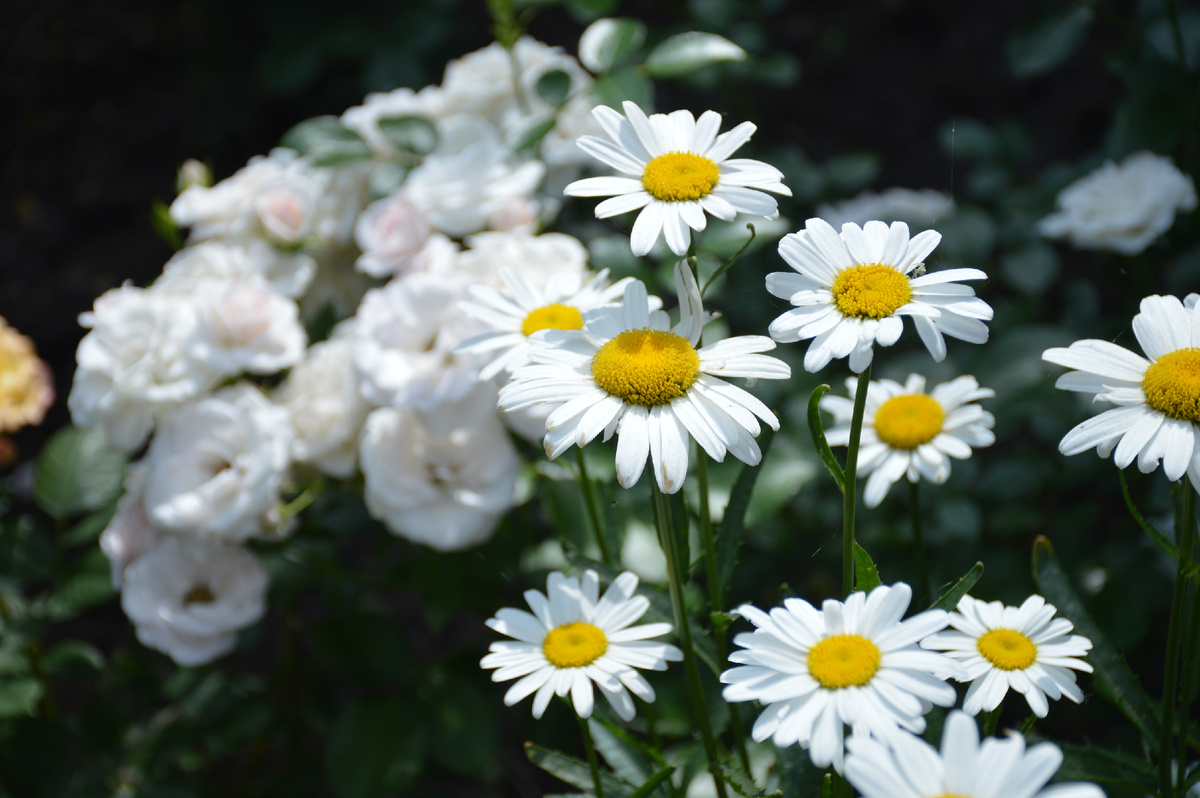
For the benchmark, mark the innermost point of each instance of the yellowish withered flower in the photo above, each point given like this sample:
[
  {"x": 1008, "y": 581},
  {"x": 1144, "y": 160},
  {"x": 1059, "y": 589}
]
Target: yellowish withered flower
[{"x": 26, "y": 387}]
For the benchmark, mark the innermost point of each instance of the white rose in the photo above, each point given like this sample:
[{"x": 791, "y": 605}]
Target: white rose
[
  {"x": 404, "y": 340},
  {"x": 364, "y": 119},
  {"x": 538, "y": 259},
  {"x": 246, "y": 325},
  {"x": 188, "y": 600},
  {"x": 216, "y": 466},
  {"x": 1122, "y": 208},
  {"x": 390, "y": 232},
  {"x": 136, "y": 364},
  {"x": 447, "y": 492},
  {"x": 923, "y": 207},
  {"x": 321, "y": 395},
  {"x": 289, "y": 273},
  {"x": 129, "y": 534}
]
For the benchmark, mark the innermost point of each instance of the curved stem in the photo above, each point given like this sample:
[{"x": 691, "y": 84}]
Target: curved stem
[
  {"x": 1186, "y": 534},
  {"x": 850, "y": 495}
]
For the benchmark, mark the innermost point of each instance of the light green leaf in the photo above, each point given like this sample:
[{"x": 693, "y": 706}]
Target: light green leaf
[
  {"x": 866, "y": 575},
  {"x": 625, "y": 760},
  {"x": 949, "y": 600},
  {"x": 607, "y": 42},
  {"x": 1048, "y": 39},
  {"x": 575, "y": 771},
  {"x": 77, "y": 472},
  {"x": 20, "y": 696},
  {"x": 623, "y": 84},
  {"x": 554, "y": 87},
  {"x": 687, "y": 52},
  {"x": 326, "y": 141},
  {"x": 411, "y": 134}
]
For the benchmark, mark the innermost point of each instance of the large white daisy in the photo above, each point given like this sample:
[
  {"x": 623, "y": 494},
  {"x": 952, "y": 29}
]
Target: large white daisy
[
  {"x": 851, "y": 290},
  {"x": 523, "y": 308},
  {"x": 909, "y": 767},
  {"x": 677, "y": 170},
  {"x": 1157, "y": 413},
  {"x": 910, "y": 432},
  {"x": 1025, "y": 648},
  {"x": 574, "y": 639},
  {"x": 628, "y": 372},
  {"x": 853, "y": 664}
]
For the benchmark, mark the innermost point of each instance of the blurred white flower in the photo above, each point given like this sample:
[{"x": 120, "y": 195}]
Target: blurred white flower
[
  {"x": 188, "y": 600},
  {"x": 1122, "y": 208},
  {"x": 289, "y": 273},
  {"x": 216, "y": 466},
  {"x": 246, "y": 325},
  {"x": 390, "y": 232},
  {"x": 447, "y": 491},
  {"x": 428, "y": 103},
  {"x": 917, "y": 206},
  {"x": 137, "y": 362},
  {"x": 538, "y": 259},
  {"x": 908, "y": 431},
  {"x": 321, "y": 394},
  {"x": 129, "y": 534}
]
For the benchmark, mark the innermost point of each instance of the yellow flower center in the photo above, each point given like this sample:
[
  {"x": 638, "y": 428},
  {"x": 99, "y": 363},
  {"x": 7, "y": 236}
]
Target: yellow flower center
[
  {"x": 646, "y": 367},
  {"x": 1172, "y": 384},
  {"x": 870, "y": 291},
  {"x": 574, "y": 645},
  {"x": 680, "y": 176},
  {"x": 552, "y": 317},
  {"x": 843, "y": 661},
  {"x": 906, "y": 422},
  {"x": 1007, "y": 649}
]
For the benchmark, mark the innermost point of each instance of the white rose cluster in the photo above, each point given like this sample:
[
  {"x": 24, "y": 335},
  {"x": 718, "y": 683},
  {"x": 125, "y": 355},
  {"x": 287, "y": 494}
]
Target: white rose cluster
[{"x": 208, "y": 377}]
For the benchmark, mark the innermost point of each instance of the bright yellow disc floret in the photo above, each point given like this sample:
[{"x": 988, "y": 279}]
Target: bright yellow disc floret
[
  {"x": 906, "y": 422},
  {"x": 1007, "y": 649},
  {"x": 552, "y": 317},
  {"x": 870, "y": 291},
  {"x": 843, "y": 661},
  {"x": 574, "y": 645},
  {"x": 680, "y": 177},
  {"x": 646, "y": 367},
  {"x": 1172, "y": 384}
]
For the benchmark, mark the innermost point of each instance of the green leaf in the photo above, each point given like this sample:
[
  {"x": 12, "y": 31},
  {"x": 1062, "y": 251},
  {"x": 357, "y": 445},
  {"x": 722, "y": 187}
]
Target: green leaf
[
  {"x": 652, "y": 783},
  {"x": 817, "y": 430},
  {"x": 375, "y": 749},
  {"x": 686, "y": 52},
  {"x": 625, "y": 760},
  {"x": 466, "y": 737},
  {"x": 1092, "y": 763},
  {"x": 326, "y": 141},
  {"x": 949, "y": 600},
  {"x": 866, "y": 575},
  {"x": 411, "y": 134},
  {"x": 1159, "y": 538},
  {"x": 742, "y": 782},
  {"x": 528, "y": 133},
  {"x": 90, "y": 586},
  {"x": 164, "y": 225},
  {"x": 27, "y": 553},
  {"x": 88, "y": 529},
  {"x": 575, "y": 771},
  {"x": 729, "y": 535},
  {"x": 20, "y": 696},
  {"x": 607, "y": 42},
  {"x": 554, "y": 87},
  {"x": 77, "y": 472},
  {"x": 1048, "y": 39},
  {"x": 1111, "y": 672},
  {"x": 626, "y": 83},
  {"x": 71, "y": 654}
]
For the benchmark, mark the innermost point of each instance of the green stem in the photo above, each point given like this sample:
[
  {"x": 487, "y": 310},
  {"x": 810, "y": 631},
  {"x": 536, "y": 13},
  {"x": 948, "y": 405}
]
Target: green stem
[
  {"x": 675, "y": 574},
  {"x": 991, "y": 720},
  {"x": 850, "y": 495},
  {"x": 592, "y": 503},
  {"x": 923, "y": 591},
  {"x": 1185, "y": 535},
  {"x": 593, "y": 763}
]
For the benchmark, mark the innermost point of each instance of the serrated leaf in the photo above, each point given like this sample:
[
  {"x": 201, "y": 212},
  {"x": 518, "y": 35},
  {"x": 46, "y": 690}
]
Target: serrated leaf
[
  {"x": 626, "y": 83},
  {"x": 606, "y": 42},
  {"x": 326, "y": 141},
  {"x": 687, "y": 52},
  {"x": 411, "y": 134},
  {"x": 733, "y": 523},
  {"x": 76, "y": 472},
  {"x": 1112, "y": 674},
  {"x": 20, "y": 696},
  {"x": 575, "y": 771},
  {"x": 866, "y": 575},
  {"x": 1048, "y": 39},
  {"x": 554, "y": 87},
  {"x": 949, "y": 600}
]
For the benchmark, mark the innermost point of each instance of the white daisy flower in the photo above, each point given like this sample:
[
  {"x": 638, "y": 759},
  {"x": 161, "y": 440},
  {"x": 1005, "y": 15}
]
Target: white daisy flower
[
  {"x": 627, "y": 372},
  {"x": 575, "y": 638},
  {"x": 524, "y": 308},
  {"x": 1025, "y": 648},
  {"x": 1157, "y": 401},
  {"x": 909, "y": 767},
  {"x": 910, "y": 432},
  {"x": 854, "y": 663},
  {"x": 852, "y": 289},
  {"x": 678, "y": 169}
]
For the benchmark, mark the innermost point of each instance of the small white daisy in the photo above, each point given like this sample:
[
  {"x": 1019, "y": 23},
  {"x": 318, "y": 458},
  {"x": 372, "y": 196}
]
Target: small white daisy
[
  {"x": 1025, "y": 648},
  {"x": 575, "y": 638},
  {"x": 1157, "y": 413},
  {"x": 852, "y": 289},
  {"x": 679, "y": 169},
  {"x": 909, "y": 767},
  {"x": 628, "y": 372},
  {"x": 908, "y": 431},
  {"x": 853, "y": 664},
  {"x": 523, "y": 308}
]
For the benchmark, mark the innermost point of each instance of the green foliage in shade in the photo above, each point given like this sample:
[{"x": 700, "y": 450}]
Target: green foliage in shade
[
  {"x": 626, "y": 83},
  {"x": 628, "y": 761},
  {"x": 326, "y": 141},
  {"x": 1159, "y": 109},
  {"x": 410, "y": 134},
  {"x": 575, "y": 771},
  {"x": 1045, "y": 41},
  {"x": 687, "y": 52},
  {"x": 1111, "y": 672},
  {"x": 1093, "y": 763},
  {"x": 608, "y": 42},
  {"x": 77, "y": 472},
  {"x": 729, "y": 534},
  {"x": 376, "y": 748},
  {"x": 164, "y": 225},
  {"x": 949, "y": 600},
  {"x": 654, "y": 783},
  {"x": 742, "y": 782},
  {"x": 866, "y": 575}
]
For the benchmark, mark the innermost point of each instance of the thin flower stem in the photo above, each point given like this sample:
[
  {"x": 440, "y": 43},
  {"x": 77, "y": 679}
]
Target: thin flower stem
[
  {"x": 914, "y": 507},
  {"x": 592, "y": 503},
  {"x": 850, "y": 495},
  {"x": 1185, "y": 536},
  {"x": 593, "y": 763},
  {"x": 991, "y": 720},
  {"x": 675, "y": 574}
]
